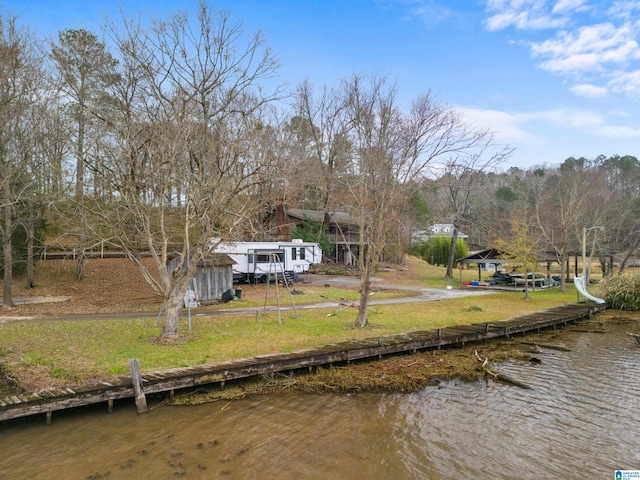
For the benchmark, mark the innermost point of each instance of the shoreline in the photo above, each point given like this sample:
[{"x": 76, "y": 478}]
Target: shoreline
[
  {"x": 404, "y": 373},
  {"x": 389, "y": 371}
]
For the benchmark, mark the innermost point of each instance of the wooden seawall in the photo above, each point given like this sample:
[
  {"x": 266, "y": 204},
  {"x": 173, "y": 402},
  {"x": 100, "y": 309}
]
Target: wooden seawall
[{"x": 47, "y": 401}]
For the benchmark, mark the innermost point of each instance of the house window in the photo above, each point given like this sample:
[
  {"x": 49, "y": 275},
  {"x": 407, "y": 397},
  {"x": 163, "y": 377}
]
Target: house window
[
  {"x": 302, "y": 253},
  {"x": 293, "y": 253}
]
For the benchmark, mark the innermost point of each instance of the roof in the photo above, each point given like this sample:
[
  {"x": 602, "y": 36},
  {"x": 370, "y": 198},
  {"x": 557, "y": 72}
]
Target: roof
[
  {"x": 445, "y": 229},
  {"x": 487, "y": 255},
  {"x": 215, "y": 259},
  {"x": 318, "y": 216},
  {"x": 437, "y": 230},
  {"x": 496, "y": 256},
  {"x": 211, "y": 259}
]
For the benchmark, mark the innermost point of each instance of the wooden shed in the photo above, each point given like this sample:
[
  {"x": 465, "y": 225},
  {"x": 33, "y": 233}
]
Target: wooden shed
[{"x": 213, "y": 277}]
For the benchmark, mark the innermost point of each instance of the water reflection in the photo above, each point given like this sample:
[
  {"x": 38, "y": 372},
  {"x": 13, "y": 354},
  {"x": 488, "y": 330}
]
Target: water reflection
[{"x": 578, "y": 421}]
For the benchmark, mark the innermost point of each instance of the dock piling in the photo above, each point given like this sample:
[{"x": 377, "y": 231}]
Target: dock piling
[{"x": 136, "y": 379}]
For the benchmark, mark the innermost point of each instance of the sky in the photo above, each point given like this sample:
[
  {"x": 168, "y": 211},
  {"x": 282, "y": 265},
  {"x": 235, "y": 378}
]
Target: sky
[{"x": 551, "y": 79}]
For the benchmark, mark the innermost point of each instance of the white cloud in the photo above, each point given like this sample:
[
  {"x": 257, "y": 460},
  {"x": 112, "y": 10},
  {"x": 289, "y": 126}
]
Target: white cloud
[
  {"x": 620, "y": 132},
  {"x": 553, "y": 135},
  {"x": 589, "y": 122},
  {"x": 505, "y": 126},
  {"x": 624, "y": 9},
  {"x": 529, "y": 14},
  {"x": 627, "y": 83},
  {"x": 568, "y": 6},
  {"x": 570, "y": 117},
  {"x": 430, "y": 13},
  {"x": 597, "y": 58},
  {"x": 589, "y": 49},
  {"x": 589, "y": 91},
  {"x": 518, "y": 128}
]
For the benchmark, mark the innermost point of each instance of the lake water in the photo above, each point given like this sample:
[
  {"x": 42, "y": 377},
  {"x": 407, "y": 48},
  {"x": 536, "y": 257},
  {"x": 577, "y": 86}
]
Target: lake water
[{"x": 580, "y": 420}]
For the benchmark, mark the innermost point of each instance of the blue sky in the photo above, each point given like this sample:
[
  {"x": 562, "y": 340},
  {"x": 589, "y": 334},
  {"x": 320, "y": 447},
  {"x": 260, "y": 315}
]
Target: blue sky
[{"x": 553, "y": 79}]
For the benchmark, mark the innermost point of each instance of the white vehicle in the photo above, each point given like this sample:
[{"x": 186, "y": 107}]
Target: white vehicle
[{"x": 256, "y": 262}]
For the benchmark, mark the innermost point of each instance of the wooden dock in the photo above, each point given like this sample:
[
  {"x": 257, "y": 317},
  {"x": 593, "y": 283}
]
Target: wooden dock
[{"x": 50, "y": 400}]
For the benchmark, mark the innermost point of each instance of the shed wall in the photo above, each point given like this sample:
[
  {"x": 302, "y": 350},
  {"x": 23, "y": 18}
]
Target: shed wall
[{"x": 211, "y": 282}]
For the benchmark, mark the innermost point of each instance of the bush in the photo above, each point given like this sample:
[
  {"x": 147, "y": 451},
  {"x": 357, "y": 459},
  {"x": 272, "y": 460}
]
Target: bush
[
  {"x": 621, "y": 292},
  {"x": 436, "y": 250}
]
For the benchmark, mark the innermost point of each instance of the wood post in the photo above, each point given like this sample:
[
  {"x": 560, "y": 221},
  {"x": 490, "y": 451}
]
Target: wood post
[{"x": 136, "y": 379}]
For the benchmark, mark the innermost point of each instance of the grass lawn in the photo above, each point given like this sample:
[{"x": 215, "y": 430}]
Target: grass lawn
[{"x": 45, "y": 353}]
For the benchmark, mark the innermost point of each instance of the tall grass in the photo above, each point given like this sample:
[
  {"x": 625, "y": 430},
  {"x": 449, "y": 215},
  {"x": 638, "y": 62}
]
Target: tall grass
[{"x": 622, "y": 292}]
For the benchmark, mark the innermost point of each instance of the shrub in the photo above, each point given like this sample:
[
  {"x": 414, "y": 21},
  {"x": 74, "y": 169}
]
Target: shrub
[
  {"x": 436, "y": 250},
  {"x": 621, "y": 291}
]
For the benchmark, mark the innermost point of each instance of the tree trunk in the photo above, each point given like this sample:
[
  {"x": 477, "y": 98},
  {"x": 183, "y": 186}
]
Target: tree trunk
[
  {"x": 79, "y": 187},
  {"x": 365, "y": 288},
  {"x": 170, "y": 330},
  {"x": 452, "y": 253},
  {"x": 30, "y": 240},
  {"x": 624, "y": 261},
  {"x": 7, "y": 300},
  {"x": 563, "y": 273},
  {"x": 80, "y": 263},
  {"x": 526, "y": 285},
  {"x": 175, "y": 302},
  {"x": 82, "y": 243}
]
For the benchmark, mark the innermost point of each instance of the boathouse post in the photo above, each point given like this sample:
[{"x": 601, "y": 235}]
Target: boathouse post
[{"x": 136, "y": 379}]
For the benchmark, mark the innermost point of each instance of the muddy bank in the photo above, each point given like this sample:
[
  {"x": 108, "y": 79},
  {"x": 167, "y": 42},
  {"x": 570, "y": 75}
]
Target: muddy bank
[{"x": 398, "y": 373}]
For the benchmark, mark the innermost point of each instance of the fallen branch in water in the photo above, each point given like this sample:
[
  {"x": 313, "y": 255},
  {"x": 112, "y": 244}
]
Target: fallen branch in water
[
  {"x": 585, "y": 330},
  {"x": 634, "y": 335},
  {"x": 501, "y": 376},
  {"x": 548, "y": 345},
  {"x": 516, "y": 383}
]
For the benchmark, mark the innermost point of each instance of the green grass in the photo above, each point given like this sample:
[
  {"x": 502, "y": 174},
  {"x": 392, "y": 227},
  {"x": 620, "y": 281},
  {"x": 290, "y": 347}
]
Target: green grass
[{"x": 77, "y": 350}]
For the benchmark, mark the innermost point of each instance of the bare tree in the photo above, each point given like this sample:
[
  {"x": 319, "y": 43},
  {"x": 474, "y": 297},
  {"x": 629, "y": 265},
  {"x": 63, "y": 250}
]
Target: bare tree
[
  {"x": 27, "y": 139},
  {"x": 324, "y": 126},
  {"x": 84, "y": 73},
  {"x": 459, "y": 187},
  {"x": 20, "y": 75},
  {"x": 621, "y": 179},
  {"x": 568, "y": 205},
  {"x": 187, "y": 109},
  {"x": 390, "y": 149}
]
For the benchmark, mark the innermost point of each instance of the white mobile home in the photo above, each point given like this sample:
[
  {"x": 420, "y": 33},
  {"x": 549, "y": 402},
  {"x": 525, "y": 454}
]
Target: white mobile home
[{"x": 258, "y": 261}]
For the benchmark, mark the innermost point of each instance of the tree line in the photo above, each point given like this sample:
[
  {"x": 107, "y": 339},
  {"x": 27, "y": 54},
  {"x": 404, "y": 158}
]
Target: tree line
[{"x": 163, "y": 134}]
